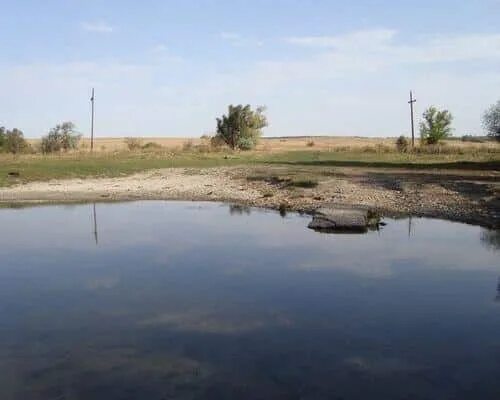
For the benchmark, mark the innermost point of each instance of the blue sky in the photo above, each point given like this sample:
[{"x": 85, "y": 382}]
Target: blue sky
[{"x": 169, "y": 68}]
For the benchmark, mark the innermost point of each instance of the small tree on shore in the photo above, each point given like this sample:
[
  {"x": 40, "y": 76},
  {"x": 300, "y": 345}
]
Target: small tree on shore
[
  {"x": 242, "y": 127},
  {"x": 436, "y": 125},
  {"x": 61, "y": 137},
  {"x": 491, "y": 121}
]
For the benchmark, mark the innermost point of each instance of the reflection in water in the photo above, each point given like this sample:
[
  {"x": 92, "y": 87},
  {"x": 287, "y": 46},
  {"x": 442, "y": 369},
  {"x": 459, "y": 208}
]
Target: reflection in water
[
  {"x": 94, "y": 220},
  {"x": 189, "y": 303},
  {"x": 498, "y": 291},
  {"x": 491, "y": 238},
  {"x": 238, "y": 209}
]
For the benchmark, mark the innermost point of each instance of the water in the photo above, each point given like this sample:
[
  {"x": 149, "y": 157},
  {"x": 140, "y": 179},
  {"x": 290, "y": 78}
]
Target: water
[{"x": 175, "y": 300}]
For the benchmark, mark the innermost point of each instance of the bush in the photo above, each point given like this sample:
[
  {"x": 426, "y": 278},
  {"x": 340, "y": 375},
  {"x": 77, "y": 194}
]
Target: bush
[
  {"x": 402, "y": 144},
  {"x": 13, "y": 141},
  {"x": 62, "y": 137},
  {"x": 310, "y": 143},
  {"x": 436, "y": 125},
  {"x": 242, "y": 127},
  {"x": 152, "y": 146},
  {"x": 187, "y": 145},
  {"x": 472, "y": 139},
  {"x": 133, "y": 144}
]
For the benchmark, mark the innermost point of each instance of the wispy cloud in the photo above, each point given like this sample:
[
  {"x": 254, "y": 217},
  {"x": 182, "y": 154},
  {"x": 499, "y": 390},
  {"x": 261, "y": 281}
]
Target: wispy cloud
[
  {"x": 238, "y": 40},
  {"x": 379, "y": 46},
  {"x": 359, "y": 38},
  {"x": 98, "y": 27}
]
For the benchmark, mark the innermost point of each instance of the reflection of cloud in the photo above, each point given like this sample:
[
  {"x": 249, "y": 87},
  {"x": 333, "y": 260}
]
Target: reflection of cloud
[
  {"x": 214, "y": 322},
  {"x": 383, "y": 365},
  {"x": 348, "y": 263},
  {"x": 102, "y": 283}
]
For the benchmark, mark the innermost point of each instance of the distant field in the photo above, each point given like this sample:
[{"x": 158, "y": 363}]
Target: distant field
[
  {"x": 112, "y": 157},
  {"x": 317, "y": 143}
]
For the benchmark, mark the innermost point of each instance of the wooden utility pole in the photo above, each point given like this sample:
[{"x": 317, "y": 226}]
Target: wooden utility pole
[
  {"x": 92, "y": 123},
  {"x": 412, "y": 100}
]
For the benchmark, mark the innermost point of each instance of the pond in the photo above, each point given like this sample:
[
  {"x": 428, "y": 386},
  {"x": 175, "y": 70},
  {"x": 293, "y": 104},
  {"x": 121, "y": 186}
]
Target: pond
[{"x": 183, "y": 300}]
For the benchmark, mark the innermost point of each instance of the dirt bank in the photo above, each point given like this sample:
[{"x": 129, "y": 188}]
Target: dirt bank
[{"x": 466, "y": 196}]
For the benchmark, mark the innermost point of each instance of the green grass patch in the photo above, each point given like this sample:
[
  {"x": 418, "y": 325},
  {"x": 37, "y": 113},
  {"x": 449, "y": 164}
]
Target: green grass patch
[{"x": 28, "y": 168}]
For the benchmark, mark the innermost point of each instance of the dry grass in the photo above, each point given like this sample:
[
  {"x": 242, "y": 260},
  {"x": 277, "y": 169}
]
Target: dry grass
[{"x": 273, "y": 145}]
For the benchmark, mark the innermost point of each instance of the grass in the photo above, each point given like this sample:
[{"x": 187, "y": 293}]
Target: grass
[{"x": 79, "y": 165}]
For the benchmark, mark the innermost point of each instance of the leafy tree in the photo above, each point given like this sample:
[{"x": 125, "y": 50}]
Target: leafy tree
[
  {"x": 436, "y": 125},
  {"x": 2, "y": 137},
  {"x": 491, "y": 121},
  {"x": 242, "y": 127},
  {"x": 14, "y": 141},
  {"x": 61, "y": 137}
]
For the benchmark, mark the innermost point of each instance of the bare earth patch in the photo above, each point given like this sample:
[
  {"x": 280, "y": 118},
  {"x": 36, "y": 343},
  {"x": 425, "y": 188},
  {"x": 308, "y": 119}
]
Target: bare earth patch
[{"x": 466, "y": 196}]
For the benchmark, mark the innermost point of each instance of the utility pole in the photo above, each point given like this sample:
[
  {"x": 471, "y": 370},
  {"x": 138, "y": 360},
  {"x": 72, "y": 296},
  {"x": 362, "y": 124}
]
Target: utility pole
[
  {"x": 92, "y": 123},
  {"x": 412, "y": 100}
]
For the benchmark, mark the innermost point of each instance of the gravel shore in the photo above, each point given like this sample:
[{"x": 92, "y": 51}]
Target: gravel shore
[{"x": 466, "y": 196}]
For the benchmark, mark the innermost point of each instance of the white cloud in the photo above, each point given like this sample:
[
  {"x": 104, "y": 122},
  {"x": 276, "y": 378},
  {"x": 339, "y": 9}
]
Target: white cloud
[
  {"x": 379, "y": 47},
  {"x": 349, "y": 40},
  {"x": 98, "y": 27},
  {"x": 238, "y": 40}
]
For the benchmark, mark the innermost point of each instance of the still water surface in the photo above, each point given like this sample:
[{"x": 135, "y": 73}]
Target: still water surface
[{"x": 177, "y": 300}]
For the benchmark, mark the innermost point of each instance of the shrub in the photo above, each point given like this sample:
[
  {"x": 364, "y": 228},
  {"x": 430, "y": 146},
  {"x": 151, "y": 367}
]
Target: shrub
[
  {"x": 152, "y": 146},
  {"x": 310, "y": 143},
  {"x": 133, "y": 144},
  {"x": 472, "y": 139},
  {"x": 491, "y": 121},
  {"x": 436, "y": 125},
  {"x": 242, "y": 127},
  {"x": 62, "y": 137},
  {"x": 13, "y": 141},
  {"x": 188, "y": 145},
  {"x": 402, "y": 144}
]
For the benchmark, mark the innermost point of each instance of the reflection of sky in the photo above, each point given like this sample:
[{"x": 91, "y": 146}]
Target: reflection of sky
[{"x": 220, "y": 300}]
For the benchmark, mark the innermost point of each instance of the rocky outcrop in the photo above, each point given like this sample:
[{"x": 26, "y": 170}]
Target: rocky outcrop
[{"x": 343, "y": 219}]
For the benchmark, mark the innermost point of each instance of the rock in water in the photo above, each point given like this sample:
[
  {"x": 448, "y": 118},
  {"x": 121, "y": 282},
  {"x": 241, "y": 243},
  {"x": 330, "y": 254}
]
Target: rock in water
[{"x": 342, "y": 219}]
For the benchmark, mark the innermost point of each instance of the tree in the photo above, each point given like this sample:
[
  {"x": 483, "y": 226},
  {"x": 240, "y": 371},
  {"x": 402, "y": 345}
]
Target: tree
[
  {"x": 436, "y": 125},
  {"x": 491, "y": 121},
  {"x": 2, "y": 137},
  {"x": 14, "y": 141},
  {"x": 61, "y": 137},
  {"x": 242, "y": 127}
]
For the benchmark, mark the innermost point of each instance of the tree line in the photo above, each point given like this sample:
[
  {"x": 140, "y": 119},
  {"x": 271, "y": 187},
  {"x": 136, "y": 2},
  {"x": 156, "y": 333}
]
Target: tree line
[
  {"x": 62, "y": 137},
  {"x": 242, "y": 127}
]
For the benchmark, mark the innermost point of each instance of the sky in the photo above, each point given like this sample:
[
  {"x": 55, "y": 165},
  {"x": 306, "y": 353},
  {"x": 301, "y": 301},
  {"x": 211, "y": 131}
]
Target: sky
[{"x": 169, "y": 68}]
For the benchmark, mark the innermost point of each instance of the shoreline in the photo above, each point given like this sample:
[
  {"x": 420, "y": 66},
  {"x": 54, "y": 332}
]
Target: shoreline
[{"x": 470, "y": 197}]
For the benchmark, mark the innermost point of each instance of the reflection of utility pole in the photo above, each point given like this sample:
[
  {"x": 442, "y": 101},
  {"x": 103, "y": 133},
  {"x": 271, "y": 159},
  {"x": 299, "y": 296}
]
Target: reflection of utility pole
[
  {"x": 95, "y": 227},
  {"x": 92, "y": 123},
  {"x": 411, "y": 102},
  {"x": 409, "y": 226}
]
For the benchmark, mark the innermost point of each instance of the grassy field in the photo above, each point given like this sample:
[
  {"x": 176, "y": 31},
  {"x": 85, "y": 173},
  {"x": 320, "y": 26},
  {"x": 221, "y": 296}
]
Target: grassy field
[{"x": 324, "y": 152}]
